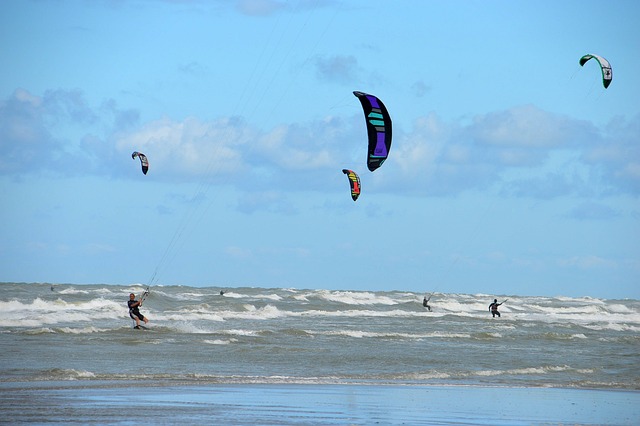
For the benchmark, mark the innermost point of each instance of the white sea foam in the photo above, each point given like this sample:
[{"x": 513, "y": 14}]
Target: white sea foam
[
  {"x": 301, "y": 297},
  {"x": 190, "y": 316},
  {"x": 252, "y": 312},
  {"x": 68, "y": 374},
  {"x": 235, "y": 332},
  {"x": 41, "y": 312},
  {"x": 219, "y": 341},
  {"x": 188, "y": 327},
  {"x": 390, "y": 335},
  {"x": 189, "y": 296},
  {"x": 268, "y": 296},
  {"x": 82, "y": 330},
  {"x": 72, "y": 291},
  {"x": 355, "y": 298}
]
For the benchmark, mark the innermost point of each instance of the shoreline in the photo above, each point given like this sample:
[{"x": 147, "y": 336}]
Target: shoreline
[
  {"x": 88, "y": 384},
  {"x": 295, "y": 404}
]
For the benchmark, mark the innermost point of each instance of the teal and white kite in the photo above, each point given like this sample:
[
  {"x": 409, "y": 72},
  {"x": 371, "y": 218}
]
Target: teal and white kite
[{"x": 607, "y": 72}]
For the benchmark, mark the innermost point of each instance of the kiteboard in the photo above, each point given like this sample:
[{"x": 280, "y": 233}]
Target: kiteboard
[{"x": 140, "y": 327}]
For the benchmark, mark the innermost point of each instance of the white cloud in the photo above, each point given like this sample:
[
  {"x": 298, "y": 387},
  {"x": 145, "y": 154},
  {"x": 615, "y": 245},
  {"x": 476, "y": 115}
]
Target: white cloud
[
  {"x": 190, "y": 147},
  {"x": 616, "y": 155},
  {"x": 28, "y": 131},
  {"x": 60, "y": 132},
  {"x": 448, "y": 158},
  {"x": 524, "y": 126}
]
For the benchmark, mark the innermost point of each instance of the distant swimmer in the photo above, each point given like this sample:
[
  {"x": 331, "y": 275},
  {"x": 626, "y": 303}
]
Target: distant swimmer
[
  {"x": 425, "y": 302},
  {"x": 221, "y": 292},
  {"x": 494, "y": 308},
  {"x": 134, "y": 310}
]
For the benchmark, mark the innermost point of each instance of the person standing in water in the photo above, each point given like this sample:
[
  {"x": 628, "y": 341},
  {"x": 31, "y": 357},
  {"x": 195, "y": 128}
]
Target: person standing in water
[
  {"x": 134, "y": 310},
  {"x": 494, "y": 308},
  {"x": 425, "y": 302}
]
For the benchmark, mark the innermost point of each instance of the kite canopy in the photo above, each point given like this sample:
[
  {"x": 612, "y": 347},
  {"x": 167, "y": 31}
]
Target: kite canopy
[
  {"x": 605, "y": 66},
  {"x": 378, "y": 129},
  {"x": 143, "y": 161},
  {"x": 354, "y": 181}
]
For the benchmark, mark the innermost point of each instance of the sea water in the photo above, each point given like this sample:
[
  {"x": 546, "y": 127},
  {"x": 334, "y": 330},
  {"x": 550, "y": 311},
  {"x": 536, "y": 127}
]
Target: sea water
[{"x": 83, "y": 334}]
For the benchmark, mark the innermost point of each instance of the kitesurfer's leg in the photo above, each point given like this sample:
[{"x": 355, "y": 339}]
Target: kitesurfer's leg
[
  {"x": 136, "y": 319},
  {"x": 143, "y": 318}
]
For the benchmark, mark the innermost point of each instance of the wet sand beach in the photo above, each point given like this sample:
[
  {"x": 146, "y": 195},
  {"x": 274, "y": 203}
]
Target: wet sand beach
[{"x": 315, "y": 405}]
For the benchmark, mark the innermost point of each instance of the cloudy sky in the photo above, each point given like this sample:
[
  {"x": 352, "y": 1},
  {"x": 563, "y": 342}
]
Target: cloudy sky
[{"x": 512, "y": 170}]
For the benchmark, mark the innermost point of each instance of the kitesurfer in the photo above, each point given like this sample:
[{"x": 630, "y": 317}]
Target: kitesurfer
[
  {"x": 494, "y": 308},
  {"x": 425, "y": 303},
  {"x": 134, "y": 310}
]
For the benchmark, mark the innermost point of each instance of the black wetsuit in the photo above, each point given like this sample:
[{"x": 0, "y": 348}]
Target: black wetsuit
[
  {"x": 425, "y": 303},
  {"x": 135, "y": 310},
  {"x": 494, "y": 309}
]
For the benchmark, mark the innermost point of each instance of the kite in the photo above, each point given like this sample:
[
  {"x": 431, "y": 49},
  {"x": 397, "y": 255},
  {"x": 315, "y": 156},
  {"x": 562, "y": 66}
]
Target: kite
[
  {"x": 143, "y": 160},
  {"x": 607, "y": 72},
  {"x": 378, "y": 129},
  {"x": 354, "y": 181}
]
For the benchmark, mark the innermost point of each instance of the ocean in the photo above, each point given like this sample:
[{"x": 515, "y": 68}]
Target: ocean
[{"x": 81, "y": 335}]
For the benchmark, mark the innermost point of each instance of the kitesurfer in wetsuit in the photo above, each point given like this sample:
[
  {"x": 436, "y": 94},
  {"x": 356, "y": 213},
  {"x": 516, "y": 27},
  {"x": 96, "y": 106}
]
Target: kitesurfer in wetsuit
[
  {"x": 134, "y": 310},
  {"x": 425, "y": 303},
  {"x": 494, "y": 308}
]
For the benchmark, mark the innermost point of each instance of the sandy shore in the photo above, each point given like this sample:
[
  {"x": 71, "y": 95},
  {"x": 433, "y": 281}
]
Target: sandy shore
[{"x": 314, "y": 405}]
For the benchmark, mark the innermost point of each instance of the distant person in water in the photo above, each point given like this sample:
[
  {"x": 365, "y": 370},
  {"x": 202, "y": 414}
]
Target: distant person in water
[
  {"x": 425, "y": 302},
  {"x": 494, "y": 308},
  {"x": 134, "y": 310}
]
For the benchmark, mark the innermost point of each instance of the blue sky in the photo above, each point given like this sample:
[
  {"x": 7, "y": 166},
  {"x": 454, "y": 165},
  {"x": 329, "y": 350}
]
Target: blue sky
[{"x": 512, "y": 169}]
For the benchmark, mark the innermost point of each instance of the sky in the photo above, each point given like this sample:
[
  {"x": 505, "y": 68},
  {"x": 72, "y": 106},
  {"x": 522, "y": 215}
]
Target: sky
[{"x": 512, "y": 170}]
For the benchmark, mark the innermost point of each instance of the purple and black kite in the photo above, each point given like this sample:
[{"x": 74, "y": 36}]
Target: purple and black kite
[{"x": 378, "y": 129}]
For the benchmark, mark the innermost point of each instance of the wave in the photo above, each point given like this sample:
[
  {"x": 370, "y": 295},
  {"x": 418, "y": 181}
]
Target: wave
[
  {"x": 544, "y": 376},
  {"x": 34, "y": 306},
  {"x": 355, "y": 298},
  {"x": 381, "y": 335}
]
